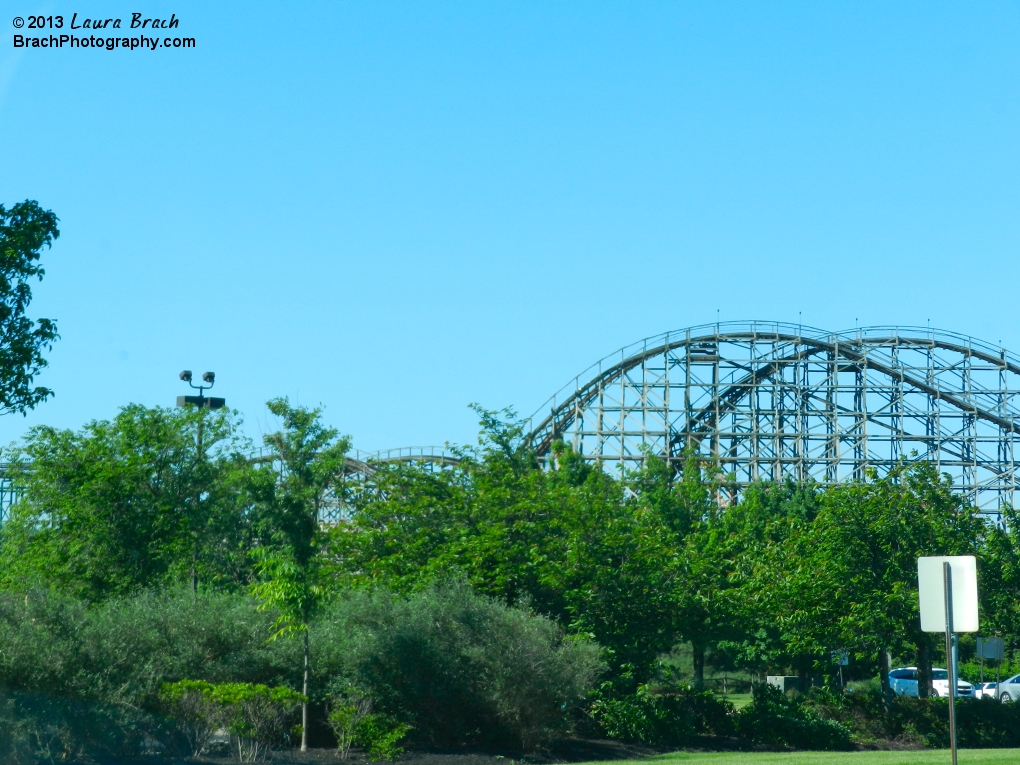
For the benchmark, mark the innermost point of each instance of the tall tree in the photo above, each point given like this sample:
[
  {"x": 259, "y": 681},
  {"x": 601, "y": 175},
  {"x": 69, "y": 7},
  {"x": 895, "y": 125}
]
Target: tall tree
[
  {"x": 25, "y": 229},
  {"x": 124, "y": 504},
  {"x": 292, "y": 490},
  {"x": 865, "y": 543}
]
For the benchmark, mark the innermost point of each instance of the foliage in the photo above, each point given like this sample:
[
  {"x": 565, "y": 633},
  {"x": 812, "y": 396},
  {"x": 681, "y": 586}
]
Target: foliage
[
  {"x": 88, "y": 679},
  {"x": 255, "y": 715},
  {"x": 308, "y": 465},
  {"x": 346, "y": 713},
  {"x": 188, "y": 702},
  {"x": 567, "y": 541},
  {"x": 980, "y": 723},
  {"x": 126, "y": 504},
  {"x": 458, "y": 667},
  {"x": 25, "y": 229},
  {"x": 674, "y": 718},
  {"x": 776, "y": 718},
  {"x": 381, "y": 736},
  {"x": 864, "y": 548},
  {"x": 352, "y": 721}
]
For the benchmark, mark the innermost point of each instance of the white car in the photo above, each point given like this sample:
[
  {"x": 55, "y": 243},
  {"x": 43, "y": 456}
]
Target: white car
[
  {"x": 903, "y": 681},
  {"x": 985, "y": 690},
  {"x": 1009, "y": 690}
]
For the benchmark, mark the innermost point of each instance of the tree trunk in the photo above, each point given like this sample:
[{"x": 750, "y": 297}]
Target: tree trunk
[
  {"x": 698, "y": 659},
  {"x": 304, "y": 706},
  {"x": 803, "y": 682},
  {"x": 883, "y": 673},
  {"x": 923, "y": 667}
]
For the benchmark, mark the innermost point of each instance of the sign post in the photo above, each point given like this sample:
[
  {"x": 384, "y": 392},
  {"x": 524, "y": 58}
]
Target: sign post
[{"x": 947, "y": 591}]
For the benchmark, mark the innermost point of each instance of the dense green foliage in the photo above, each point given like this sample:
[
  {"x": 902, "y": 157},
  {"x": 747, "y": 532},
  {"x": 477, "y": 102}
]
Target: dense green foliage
[
  {"x": 456, "y": 666},
  {"x": 130, "y": 503},
  {"x": 671, "y": 719},
  {"x": 80, "y": 679},
  {"x": 25, "y": 229},
  {"x": 477, "y": 603},
  {"x": 772, "y": 717},
  {"x": 254, "y": 715}
]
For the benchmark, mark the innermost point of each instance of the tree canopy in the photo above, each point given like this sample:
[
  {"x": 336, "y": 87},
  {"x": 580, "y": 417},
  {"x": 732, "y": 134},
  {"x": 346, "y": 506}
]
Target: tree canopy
[{"x": 25, "y": 229}]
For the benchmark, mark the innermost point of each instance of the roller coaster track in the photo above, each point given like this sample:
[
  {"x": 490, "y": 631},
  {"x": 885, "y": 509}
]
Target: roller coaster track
[
  {"x": 775, "y": 401},
  {"x": 771, "y": 401}
]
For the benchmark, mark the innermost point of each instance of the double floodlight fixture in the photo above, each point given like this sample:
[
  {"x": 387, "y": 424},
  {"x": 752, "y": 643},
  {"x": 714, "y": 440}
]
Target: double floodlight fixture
[{"x": 201, "y": 400}]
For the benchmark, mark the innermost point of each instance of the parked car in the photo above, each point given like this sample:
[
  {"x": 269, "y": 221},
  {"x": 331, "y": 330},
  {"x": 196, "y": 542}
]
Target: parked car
[
  {"x": 986, "y": 691},
  {"x": 1009, "y": 690},
  {"x": 903, "y": 681}
]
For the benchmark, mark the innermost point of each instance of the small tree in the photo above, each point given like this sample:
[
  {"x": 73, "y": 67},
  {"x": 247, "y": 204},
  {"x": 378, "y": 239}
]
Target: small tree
[
  {"x": 189, "y": 703},
  {"x": 345, "y": 717},
  {"x": 255, "y": 716},
  {"x": 308, "y": 465}
]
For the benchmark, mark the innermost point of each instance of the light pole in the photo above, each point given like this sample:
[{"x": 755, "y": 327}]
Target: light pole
[{"x": 202, "y": 402}]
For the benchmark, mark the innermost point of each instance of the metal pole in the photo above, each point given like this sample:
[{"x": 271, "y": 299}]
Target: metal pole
[
  {"x": 981, "y": 655},
  {"x": 947, "y": 580}
]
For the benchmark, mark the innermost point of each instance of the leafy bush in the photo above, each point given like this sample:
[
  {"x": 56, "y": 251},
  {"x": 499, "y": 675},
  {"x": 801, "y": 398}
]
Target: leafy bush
[
  {"x": 980, "y": 723},
  {"x": 352, "y": 722},
  {"x": 662, "y": 719},
  {"x": 188, "y": 702},
  {"x": 254, "y": 715},
  {"x": 775, "y": 718},
  {"x": 345, "y": 716},
  {"x": 381, "y": 736},
  {"x": 457, "y": 666},
  {"x": 85, "y": 681}
]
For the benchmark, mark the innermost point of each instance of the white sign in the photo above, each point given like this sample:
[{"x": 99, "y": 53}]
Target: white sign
[
  {"x": 991, "y": 648},
  {"x": 931, "y": 591}
]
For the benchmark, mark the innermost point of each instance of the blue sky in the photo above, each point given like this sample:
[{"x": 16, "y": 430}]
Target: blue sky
[{"x": 397, "y": 209}]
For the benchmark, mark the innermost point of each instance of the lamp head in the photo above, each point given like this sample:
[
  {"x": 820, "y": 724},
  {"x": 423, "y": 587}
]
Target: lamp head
[
  {"x": 186, "y": 375},
  {"x": 209, "y": 377}
]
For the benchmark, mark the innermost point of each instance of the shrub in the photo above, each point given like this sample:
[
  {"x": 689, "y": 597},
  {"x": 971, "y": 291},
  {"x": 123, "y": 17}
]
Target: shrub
[
  {"x": 662, "y": 719},
  {"x": 980, "y": 723},
  {"x": 381, "y": 736},
  {"x": 352, "y": 722},
  {"x": 457, "y": 666},
  {"x": 345, "y": 716},
  {"x": 256, "y": 716},
  {"x": 85, "y": 682},
  {"x": 774, "y": 718},
  {"x": 188, "y": 702}
]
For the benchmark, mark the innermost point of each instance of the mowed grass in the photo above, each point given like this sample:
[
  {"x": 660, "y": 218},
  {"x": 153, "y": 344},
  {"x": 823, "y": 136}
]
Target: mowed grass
[
  {"x": 923, "y": 757},
  {"x": 738, "y": 700}
]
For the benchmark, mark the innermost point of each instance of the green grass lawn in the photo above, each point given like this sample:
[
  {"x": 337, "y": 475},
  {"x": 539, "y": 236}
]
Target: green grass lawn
[
  {"x": 738, "y": 700},
  {"x": 924, "y": 757}
]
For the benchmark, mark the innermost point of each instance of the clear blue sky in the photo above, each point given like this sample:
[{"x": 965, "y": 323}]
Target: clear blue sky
[{"x": 396, "y": 209}]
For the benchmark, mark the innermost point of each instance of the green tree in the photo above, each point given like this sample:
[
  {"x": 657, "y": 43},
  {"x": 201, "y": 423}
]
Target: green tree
[
  {"x": 779, "y": 618},
  {"x": 124, "y": 504},
  {"x": 291, "y": 491},
  {"x": 564, "y": 539},
  {"x": 25, "y": 229},
  {"x": 999, "y": 578},
  {"x": 864, "y": 547}
]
